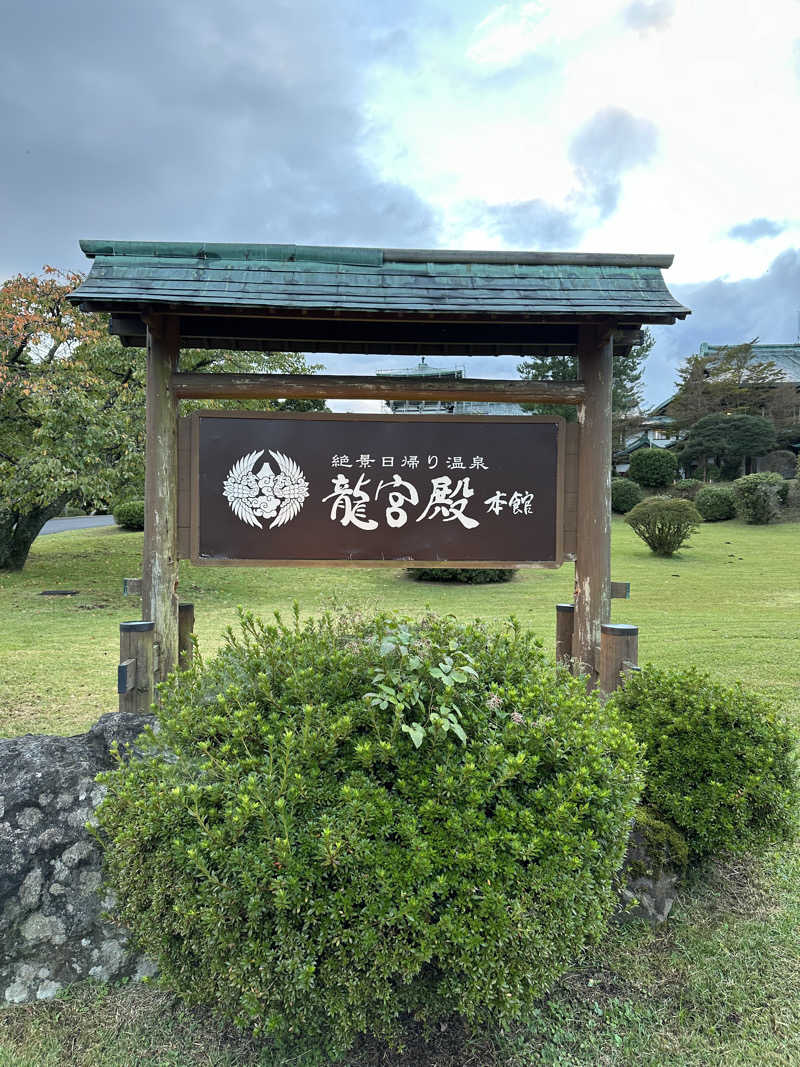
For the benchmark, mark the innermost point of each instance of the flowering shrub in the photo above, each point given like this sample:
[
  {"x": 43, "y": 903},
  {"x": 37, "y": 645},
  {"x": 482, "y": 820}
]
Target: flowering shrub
[{"x": 346, "y": 820}]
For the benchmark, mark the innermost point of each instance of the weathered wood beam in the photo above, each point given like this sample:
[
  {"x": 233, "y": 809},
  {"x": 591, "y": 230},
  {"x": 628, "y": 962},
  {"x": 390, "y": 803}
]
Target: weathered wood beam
[
  {"x": 385, "y": 387},
  {"x": 160, "y": 553},
  {"x": 593, "y": 558}
]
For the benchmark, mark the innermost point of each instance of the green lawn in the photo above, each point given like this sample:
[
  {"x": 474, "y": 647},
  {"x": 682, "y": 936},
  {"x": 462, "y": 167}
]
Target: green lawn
[
  {"x": 729, "y": 603},
  {"x": 718, "y": 984}
]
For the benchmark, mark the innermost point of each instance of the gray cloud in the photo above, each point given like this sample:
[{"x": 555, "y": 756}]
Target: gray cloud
[
  {"x": 195, "y": 121},
  {"x": 603, "y": 149},
  {"x": 755, "y": 229},
  {"x": 610, "y": 143},
  {"x": 649, "y": 14},
  {"x": 726, "y": 313},
  {"x": 533, "y": 223}
]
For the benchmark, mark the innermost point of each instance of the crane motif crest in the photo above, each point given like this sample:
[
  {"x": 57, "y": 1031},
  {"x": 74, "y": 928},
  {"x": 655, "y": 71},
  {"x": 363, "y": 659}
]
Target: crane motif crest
[{"x": 267, "y": 495}]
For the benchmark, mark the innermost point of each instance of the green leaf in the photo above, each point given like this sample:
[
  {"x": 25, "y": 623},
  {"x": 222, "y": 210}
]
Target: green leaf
[{"x": 416, "y": 731}]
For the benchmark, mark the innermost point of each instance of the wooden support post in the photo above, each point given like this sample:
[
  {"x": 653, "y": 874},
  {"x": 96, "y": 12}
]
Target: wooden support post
[
  {"x": 135, "y": 671},
  {"x": 160, "y": 562},
  {"x": 565, "y": 620},
  {"x": 593, "y": 557},
  {"x": 619, "y": 652},
  {"x": 185, "y": 631}
]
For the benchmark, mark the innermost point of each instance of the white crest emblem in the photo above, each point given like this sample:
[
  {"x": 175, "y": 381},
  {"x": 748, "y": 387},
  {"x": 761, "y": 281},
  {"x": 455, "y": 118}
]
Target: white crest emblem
[{"x": 266, "y": 495}]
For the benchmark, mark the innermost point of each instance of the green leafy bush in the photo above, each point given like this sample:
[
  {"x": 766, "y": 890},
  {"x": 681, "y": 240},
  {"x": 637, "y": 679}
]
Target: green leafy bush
[
  {"x": 720, "y": 761},
  {"x": 716, "y": 503},
  {"x": 758, "y": 498},
  {"x": 686, "y": 488},
  {"x": 653, "y": 468},
  {"x": 625, "y": 494},
  {"x": 663, "y": 523},
  {"x": 129, "y": 514},
  {"x": 310, "y": 845},
  {"x": 467, "y": 575},
  {"x": 780, "y": 483}
]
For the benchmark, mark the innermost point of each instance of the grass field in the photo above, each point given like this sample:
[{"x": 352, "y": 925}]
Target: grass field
[
  {"x": 729, "y": 603},
  {"x": 718, "y": 984}
]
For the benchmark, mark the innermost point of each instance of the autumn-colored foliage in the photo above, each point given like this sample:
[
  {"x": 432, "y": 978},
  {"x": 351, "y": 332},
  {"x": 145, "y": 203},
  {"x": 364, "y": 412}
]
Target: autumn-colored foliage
[{"x": 71, "y": 408}]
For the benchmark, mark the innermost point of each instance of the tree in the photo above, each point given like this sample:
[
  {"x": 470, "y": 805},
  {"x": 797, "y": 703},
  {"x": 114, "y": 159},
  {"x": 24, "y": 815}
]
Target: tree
[
  {"x": 626, "y": 392},
  {"x": 728, "y": 440},
  {"x": 729, "y": 381},
  {"x": 72, "y": 405},
  {"x": 556, "y": 368},
  {"x": 627, "y": 385}
]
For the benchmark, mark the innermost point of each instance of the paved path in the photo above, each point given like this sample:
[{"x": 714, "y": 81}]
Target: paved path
[{"x": 79, "y": 522}]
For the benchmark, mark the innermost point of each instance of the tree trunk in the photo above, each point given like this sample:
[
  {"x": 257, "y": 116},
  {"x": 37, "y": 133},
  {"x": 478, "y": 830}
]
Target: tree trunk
[{"x": 19, "y": 530}]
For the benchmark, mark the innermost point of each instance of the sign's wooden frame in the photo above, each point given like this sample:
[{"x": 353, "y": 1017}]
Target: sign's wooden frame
[{"x": 565, "y": 517}]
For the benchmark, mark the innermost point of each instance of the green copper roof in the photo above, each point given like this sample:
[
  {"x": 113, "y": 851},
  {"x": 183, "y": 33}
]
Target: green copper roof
[{"x": 297, "y": 279}]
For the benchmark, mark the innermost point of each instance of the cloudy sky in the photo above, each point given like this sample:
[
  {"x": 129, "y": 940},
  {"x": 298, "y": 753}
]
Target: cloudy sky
[{"x": 580, "y": 125}]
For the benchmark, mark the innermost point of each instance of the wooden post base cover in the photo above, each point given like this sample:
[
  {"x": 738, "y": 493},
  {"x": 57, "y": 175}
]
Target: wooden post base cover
[
  {"x": 136, "y": 667},
  {"x": 619, "y": 652},
  {"x": 185, "y": 631},
  {"x": 565, "y": 621}
]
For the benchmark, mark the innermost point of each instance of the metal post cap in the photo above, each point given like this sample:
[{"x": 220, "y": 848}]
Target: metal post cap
[
  {"x": 618, "y": 628},
  {"x": 135, "y": 627}
]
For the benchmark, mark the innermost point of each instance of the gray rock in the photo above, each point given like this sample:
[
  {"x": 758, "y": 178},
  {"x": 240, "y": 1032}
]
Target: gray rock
[
  {"x": 653, "y": 868},
  {"x": 53, "y": 925}
]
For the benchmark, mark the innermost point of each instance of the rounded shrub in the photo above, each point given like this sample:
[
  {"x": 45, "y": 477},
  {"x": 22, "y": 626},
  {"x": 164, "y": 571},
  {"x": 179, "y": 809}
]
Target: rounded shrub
[
  {"x": 716, "y": 503},
  {"x": 129, "y": 514},
  {"x": 781, "y": 484},
  {"x": 625, "y": 494},
  {"x": 653, "y": 468},
  {"x": 467, "y": 575},
  {"x": 758, "y": 498},
  {"x": 720, "y": 761},
  {"x": 686, "y": 488},
  {"x": 663, "y": 523},
  {"x": 347, "y": 820}
]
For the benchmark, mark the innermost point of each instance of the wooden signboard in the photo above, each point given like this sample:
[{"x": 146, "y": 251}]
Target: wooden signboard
[{"x": 267, "y": 488}]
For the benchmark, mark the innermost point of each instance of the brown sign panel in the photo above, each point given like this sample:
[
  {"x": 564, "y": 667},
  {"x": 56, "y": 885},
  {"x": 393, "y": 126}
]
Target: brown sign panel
[{"x": 321, "y": 488}]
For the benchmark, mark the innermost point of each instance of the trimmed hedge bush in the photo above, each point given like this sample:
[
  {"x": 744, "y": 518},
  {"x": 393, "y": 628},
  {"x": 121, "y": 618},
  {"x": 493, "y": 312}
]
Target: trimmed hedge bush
[
  {"x": 686, "y": 488},
  {"x": 653, "y": 468},
  {"x": 625, "y": 494},
  {"x": 347, "y": 820},
  {"x": 663, "y": 523},
  {"x": 758, "y": 497},
  {"x": 720, "y": 761},
  {"x": 716, "y": 503},
  {"x": 129, "y": 514},
  {"x": 468, "y": 575}
]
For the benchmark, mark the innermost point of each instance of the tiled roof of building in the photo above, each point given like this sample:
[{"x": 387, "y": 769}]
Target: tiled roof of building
[{"x": 128, "y": 275}]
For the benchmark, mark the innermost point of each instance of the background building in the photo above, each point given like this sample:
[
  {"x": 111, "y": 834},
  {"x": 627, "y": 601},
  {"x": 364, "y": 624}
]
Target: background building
[{"x": 444, "y": 407}]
